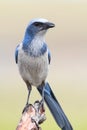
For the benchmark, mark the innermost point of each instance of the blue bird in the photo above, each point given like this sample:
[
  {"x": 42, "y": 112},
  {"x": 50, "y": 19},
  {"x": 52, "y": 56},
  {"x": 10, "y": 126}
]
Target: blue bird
[{"x": 33, "y": 58}]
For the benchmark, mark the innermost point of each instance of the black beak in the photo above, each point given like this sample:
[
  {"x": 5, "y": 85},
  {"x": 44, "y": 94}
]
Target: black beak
[{"x": 48, "y": 25}]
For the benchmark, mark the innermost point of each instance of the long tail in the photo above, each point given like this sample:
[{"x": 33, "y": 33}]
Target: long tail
[{"x": 55, "y": 107}]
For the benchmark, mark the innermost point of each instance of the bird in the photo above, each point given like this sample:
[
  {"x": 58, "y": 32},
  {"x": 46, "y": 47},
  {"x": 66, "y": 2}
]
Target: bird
[{"x": 33, "y": 57}]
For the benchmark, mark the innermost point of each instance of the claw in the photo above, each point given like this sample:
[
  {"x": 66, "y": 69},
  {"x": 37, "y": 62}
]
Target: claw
[{"x": 26, "y": 108}]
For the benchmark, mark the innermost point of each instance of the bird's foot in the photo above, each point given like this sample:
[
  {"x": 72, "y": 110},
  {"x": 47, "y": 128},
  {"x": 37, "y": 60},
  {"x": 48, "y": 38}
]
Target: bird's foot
[
  {"x": 39, "y": 113},
  {"x": 41, "y": 103},
  {"x": 25, "y": 108}
]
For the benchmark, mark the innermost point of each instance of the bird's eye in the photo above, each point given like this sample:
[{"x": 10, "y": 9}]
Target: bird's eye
[{"x": 37, "y": 24}]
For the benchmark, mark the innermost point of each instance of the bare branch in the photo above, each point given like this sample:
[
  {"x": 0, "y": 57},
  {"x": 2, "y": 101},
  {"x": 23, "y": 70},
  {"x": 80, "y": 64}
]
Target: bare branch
[{"x": 32, "y": 117}]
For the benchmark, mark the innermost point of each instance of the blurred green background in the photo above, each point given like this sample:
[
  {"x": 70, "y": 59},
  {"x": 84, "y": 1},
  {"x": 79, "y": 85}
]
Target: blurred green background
[{"x": 68, "y": 69}]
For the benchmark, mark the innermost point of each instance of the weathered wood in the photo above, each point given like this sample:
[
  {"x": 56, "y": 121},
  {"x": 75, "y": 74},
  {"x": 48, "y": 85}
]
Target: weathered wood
[{"x": 32, "y": 117}]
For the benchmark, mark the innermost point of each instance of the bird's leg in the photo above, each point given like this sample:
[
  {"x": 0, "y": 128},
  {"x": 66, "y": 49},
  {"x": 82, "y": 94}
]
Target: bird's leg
[
  {"x": 29, "y": 91},
  {"x": 27, "y": 103},
  {"x": 42, "y": 100}
]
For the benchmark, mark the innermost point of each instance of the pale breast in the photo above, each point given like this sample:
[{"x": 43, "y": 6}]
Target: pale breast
[{"x": 33, "y": 69}]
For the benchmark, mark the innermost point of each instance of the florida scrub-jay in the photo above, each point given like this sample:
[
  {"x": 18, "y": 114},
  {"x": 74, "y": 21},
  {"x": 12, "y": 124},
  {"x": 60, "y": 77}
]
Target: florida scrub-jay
[{"x": 33, "y": 58}]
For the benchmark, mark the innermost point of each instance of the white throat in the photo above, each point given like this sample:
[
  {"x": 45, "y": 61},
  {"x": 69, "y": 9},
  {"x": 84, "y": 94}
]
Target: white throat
[{"x": 37, "y": 43}]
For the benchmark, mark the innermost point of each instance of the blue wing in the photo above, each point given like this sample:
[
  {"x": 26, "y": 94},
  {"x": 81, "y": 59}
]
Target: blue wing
[
  {"x": 16, "y": 54},
  {"x": 49, "y": 56}
]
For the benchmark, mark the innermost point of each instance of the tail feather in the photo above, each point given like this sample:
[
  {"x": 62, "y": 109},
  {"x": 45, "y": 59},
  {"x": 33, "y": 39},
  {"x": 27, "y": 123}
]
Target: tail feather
[{"x": 55, "y": 107}]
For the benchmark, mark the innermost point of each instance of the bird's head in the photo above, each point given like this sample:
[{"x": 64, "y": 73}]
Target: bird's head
[{"x": 39, "y": 26}]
